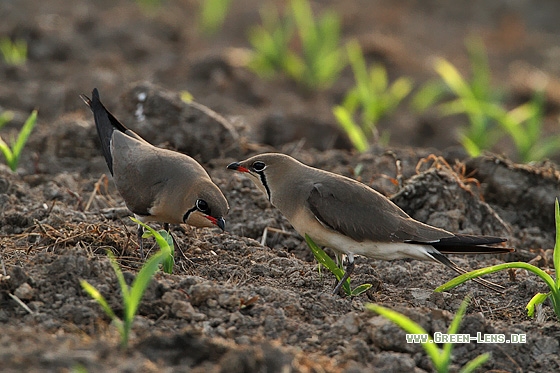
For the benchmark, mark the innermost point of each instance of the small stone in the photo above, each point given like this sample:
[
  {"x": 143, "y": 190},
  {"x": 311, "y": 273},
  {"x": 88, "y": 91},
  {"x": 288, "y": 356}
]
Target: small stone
[
  {"x": 229, "y": 301},
  {"x": 168, "y": 298},
  {"x": 420, "y": 295},
  {"x": 24, "y": 292},
  {"x": 350, "y": 322},
  {"x": 199, "y": 317},
  {"x": 182, "y": 309}
]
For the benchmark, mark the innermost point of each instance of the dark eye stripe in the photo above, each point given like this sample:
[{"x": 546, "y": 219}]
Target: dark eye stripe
[
  {"x": 186, "y": 216},
  {"x": 265, "y": 183}
]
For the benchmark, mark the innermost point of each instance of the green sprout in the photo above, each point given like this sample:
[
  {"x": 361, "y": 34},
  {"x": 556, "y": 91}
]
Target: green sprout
[
  {"x": 475, "y": 98},
  {"x": 489, "y": 120},
  {"x": 14, "y": 52},
  {"x": 552, "y": 283},
  {"x": 212, "y": 14},
  {"x": 12, "y": 152},
  {"x": 372, "y": 97},
  {"x": 440, "y": 357},
  {"x": 329, "y": 264},
  {"x": 320, "y": 60},
  {"x": 524, "y": 124},
  {"x": 271, "y": 43},
  {"x": 131, "y": 295},
  {"x": 163, "y": 238}
]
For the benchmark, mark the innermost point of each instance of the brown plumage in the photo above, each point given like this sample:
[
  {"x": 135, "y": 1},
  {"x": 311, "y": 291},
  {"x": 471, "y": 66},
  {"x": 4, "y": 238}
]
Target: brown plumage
[
  {"x": 352, "y": 218},
  {"x": 156, "y": 184}
]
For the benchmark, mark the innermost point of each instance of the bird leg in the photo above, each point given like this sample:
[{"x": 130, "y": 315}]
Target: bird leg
[
  {"x": 140, "y": 233},
  {"x": 347, "y": 273}
]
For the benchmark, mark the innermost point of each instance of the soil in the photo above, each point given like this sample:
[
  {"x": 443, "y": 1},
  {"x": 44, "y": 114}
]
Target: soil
[{"x": 251, "y": 299}]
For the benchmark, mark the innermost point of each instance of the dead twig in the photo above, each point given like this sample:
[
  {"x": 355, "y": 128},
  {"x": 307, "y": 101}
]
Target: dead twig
[
  {"x": 20, "y": 302},
  {"x": 96, "y": 190},
  {"x": 275, "y": 230}
]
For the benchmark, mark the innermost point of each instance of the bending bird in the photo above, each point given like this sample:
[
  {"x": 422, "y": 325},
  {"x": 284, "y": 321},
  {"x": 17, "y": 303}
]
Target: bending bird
[{"x": 156, "y": 184}]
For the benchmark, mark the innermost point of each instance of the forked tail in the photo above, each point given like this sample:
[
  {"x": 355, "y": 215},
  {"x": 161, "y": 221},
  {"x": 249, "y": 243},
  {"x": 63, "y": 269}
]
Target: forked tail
[{"x": 467, "y": 244}]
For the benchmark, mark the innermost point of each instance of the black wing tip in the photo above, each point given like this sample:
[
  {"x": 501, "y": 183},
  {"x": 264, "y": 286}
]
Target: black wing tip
[{"x": 467, "y": 239}]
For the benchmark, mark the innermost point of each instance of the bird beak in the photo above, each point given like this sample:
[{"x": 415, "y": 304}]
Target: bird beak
[
  {"x": 237, "y": 167},
  {"x": 220, "y": 222}
]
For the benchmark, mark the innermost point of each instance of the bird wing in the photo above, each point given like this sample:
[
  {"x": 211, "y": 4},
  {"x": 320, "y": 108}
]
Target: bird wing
[
  {"x": 106, "y": 124},
  {"x": 357, "y": 211},
  {"x": 135, "y": 167}
]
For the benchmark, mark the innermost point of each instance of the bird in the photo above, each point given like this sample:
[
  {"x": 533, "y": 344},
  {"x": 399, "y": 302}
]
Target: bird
[
  {"x": 353, "y": 219},
  {"x": 157, "y": 185}
]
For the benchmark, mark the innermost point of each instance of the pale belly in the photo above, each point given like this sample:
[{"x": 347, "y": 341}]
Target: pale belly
[{"x": 307, "y": 224}]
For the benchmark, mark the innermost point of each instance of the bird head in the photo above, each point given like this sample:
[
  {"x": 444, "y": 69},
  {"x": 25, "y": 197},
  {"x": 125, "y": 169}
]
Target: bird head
[
  {"x": 268, "y": 171},
  {"x": 206, "y": 207}
]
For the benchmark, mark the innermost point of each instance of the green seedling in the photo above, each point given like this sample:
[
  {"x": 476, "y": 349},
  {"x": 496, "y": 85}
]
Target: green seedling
[
  {"x": 323, "y": 57},
  {"x": 329, "y": 264},
  {"x": 524, "y": 124},
  {"x": 169, "y": 260},
  {"x": 474, "y": 98},
  {"x": 212, "y": 15},
  {"x": 320, "y": 58},
  {"x": 552, "y": 283},
  {"x": 131, "y": 295},
  {"x": 12, "y": 152},
  {"x": 271, "y": 43},
  {"x": 165, "y": 242},
  {"x": 371, "y": 99},
  {"x": 440, "y": 357},
  {"x": 14, "y": 52},
  {"x": 489, "y": 120}
]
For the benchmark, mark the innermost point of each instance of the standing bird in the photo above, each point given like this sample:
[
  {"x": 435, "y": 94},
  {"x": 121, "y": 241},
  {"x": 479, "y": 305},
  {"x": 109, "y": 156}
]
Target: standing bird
[
  {"x": 352, "y": 218},
  {"x": 156, "y": 184}
]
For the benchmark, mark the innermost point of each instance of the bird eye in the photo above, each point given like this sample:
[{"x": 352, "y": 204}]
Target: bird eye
[
  {"x": 202, "y": 205},
  {"x": 258, "y": 166}
]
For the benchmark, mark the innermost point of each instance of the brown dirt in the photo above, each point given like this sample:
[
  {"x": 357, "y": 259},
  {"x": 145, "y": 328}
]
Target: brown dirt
[{"x": 233, "y": 304}]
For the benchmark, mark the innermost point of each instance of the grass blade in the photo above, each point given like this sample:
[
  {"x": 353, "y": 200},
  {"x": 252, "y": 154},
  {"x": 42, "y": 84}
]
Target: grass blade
[
  {"x": 475, "y": 363},
  {"x": 7, "y": 152},
  {"x": 354, "y": 132},
  {"x": 556, "y": 254},
  {"x": 212, "y": 14},
  {"x": 120, "y": 277},
  {"x": 25, "y": 132},
  {"x": 141, "y": 282},
  {"x": 326, "y": 261},
  {"x": 410, "y": 327},
  {"x": 453, "y": 79},
  {"x": 499, "y": 267},
  {"x": 95, "y": 294},
  {"x": 360, "y": 289},
  {"x": 168, "y": 260},
  {"x": 453, "y": 329},
  {"x": 537, "y": 299}
]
